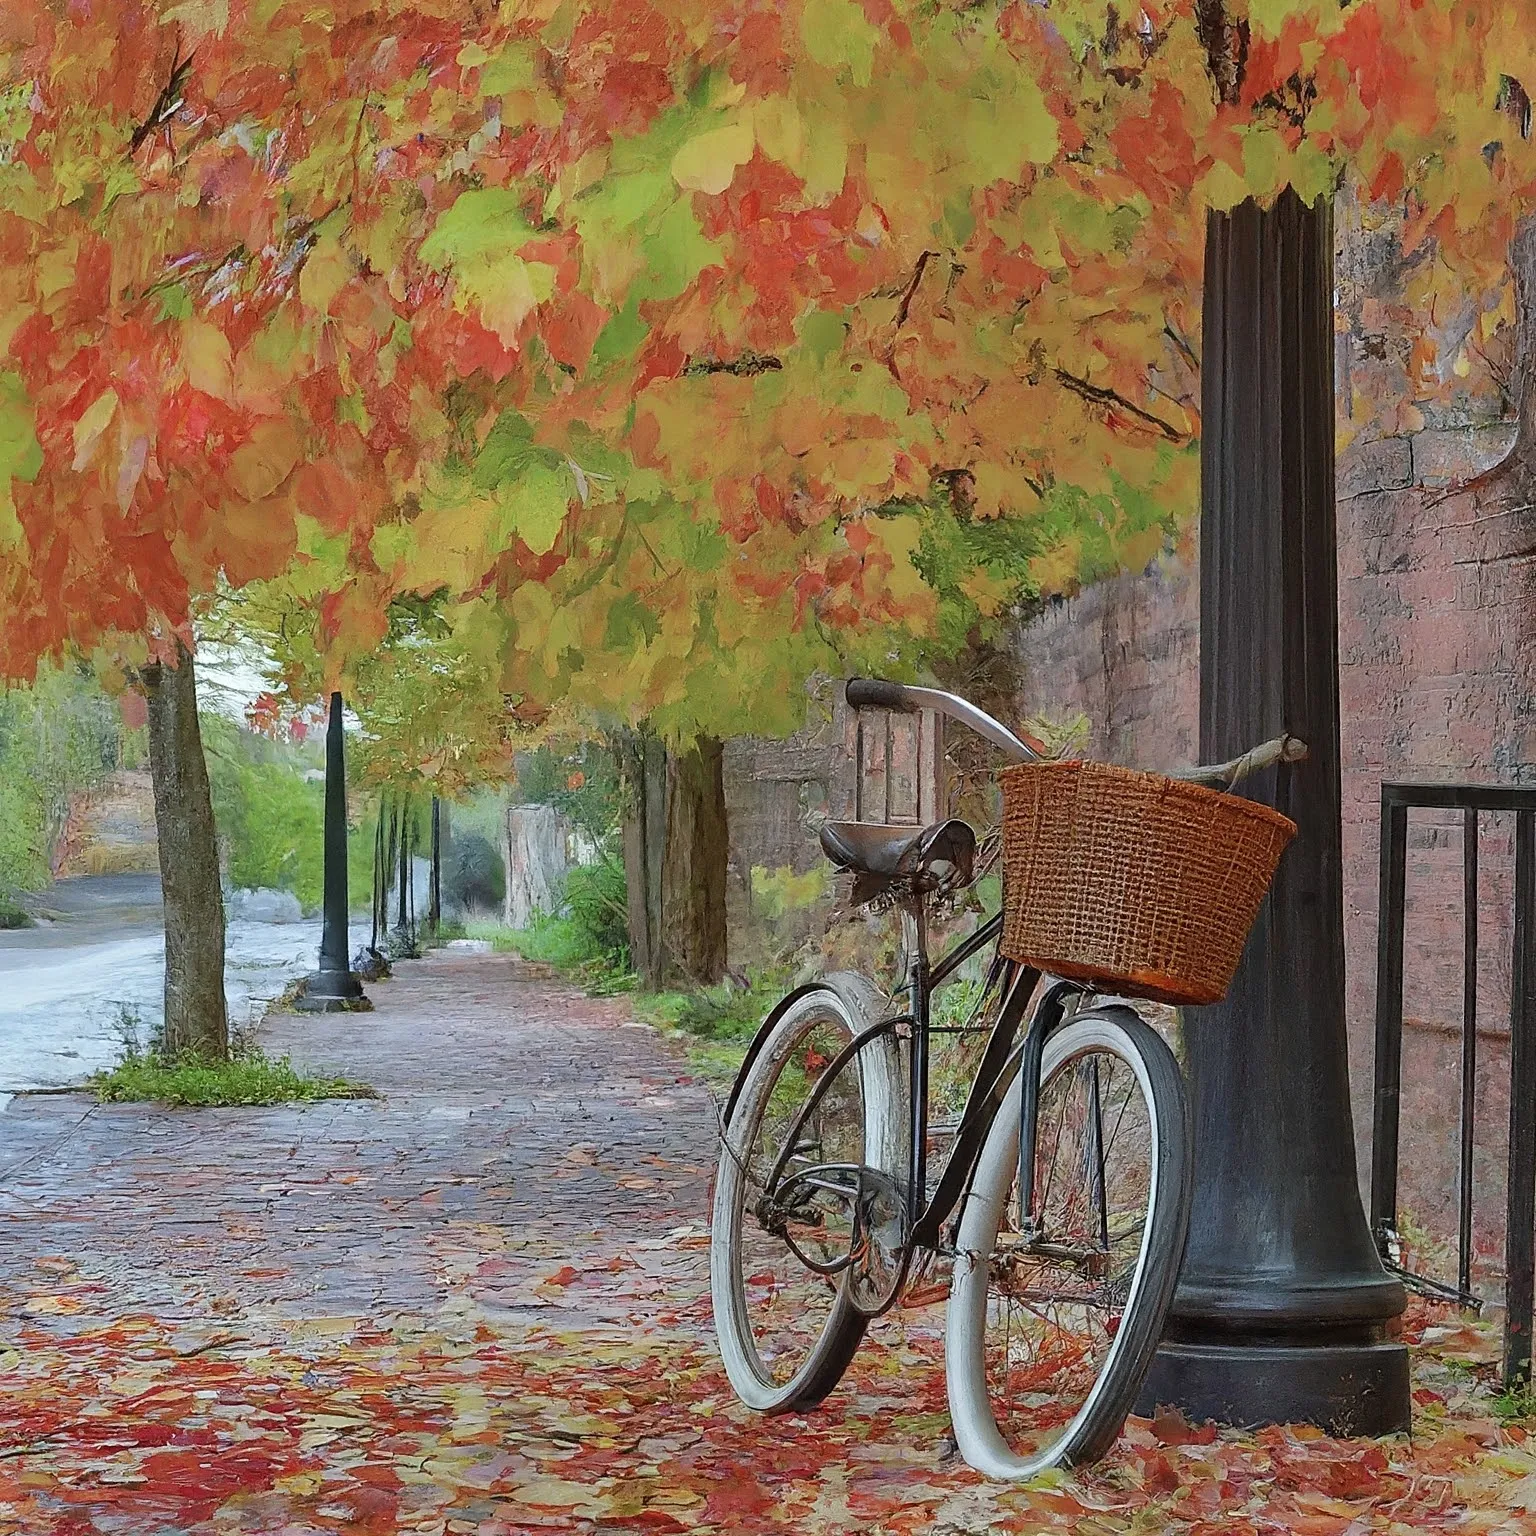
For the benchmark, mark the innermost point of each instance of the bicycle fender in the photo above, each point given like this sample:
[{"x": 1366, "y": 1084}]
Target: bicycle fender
[{"x": 856, "y": 993}]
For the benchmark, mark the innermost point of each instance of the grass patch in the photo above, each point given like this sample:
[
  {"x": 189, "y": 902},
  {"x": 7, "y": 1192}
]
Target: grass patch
[
  {"x": 13, "y": 914},
  {"x": 715, "y": 1024},
  {"x": 1516, "y": 1402},
  {"x": 248, "y": 1077}
]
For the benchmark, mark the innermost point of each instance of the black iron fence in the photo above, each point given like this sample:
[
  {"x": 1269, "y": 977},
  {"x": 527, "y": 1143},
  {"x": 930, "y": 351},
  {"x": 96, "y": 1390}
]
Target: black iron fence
[{"x": 1520, "y": 1224}]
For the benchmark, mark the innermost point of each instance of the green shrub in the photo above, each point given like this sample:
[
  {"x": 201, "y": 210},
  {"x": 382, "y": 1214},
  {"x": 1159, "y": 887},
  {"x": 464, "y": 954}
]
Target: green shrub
[
  {"x": 271, "y": 818},
  {"x": 596, "y": 901},
  {"x": 58, "y": 737}
]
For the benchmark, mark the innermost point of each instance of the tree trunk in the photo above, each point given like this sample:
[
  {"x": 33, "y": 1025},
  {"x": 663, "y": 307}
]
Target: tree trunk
[
  {"x": 676, "y": 851},
  {"x": 694, "y": 868},
  {"x": 643, "y": 772},
  {"x": 196, "y": 1018},
  {"x": 535, "y": 863}
]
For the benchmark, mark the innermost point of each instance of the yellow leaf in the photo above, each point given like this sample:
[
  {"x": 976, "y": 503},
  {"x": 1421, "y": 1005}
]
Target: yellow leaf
[
  {"x": 839, "y": 36},
  {"x": 508, "y": 292},
  {"x": 325, "y": 273},
  {"x": 97, "y": 418},
  {"x": 259, "y": 466},
  {"x": 205, "y": 354},
  {"x": 553, "y": 1493},
  {"x": 708, "y": 162}
]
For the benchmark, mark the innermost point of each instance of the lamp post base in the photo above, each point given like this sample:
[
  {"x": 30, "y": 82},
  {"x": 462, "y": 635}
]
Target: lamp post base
[
  {"x": 1355, "y": 1388},
  {"x": 332, "y": 992}
]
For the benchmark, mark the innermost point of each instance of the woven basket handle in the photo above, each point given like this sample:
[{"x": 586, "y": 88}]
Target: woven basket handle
[{"x": 1283, "y": 749}]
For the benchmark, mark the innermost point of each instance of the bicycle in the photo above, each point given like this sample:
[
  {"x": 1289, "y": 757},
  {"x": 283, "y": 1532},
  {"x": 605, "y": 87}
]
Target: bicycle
[{"x": 1063, "y": 1206}]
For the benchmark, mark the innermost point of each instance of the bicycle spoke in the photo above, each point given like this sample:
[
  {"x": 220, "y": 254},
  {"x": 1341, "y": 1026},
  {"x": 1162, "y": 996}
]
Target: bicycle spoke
[{"x": 1056, "y": 1296}]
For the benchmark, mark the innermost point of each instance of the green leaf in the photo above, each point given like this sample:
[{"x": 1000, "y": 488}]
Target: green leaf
[
  {"x": 20, "y": 455},
  {"x": 1009, "y": 125},
  {"x": 511, "y": 70},
  {"x": 822, "y": 332},
  {"x": 534, "y": 506},
  {"x": 839, "y": 36},
  {"x": 676, "y": 253},
  {"x": 629, "y": 620},
  {"x": 507, "y": 451},
  {"x": 477, "y": 230},
  {"x": 620, "y": 337}
]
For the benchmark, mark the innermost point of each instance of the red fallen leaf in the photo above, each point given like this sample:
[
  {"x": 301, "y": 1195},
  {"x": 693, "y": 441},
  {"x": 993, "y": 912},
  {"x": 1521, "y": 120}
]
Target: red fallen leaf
[
  {"x": 1172, "y": 1428},
  {"x": 739, "y": 1498},
  {"x": 564, "y": 1275},
  {"x": 1159, "y": 1474}
]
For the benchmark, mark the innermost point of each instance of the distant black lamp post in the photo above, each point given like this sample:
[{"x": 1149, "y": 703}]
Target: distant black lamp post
[
  {"x": 435, "y": 892},
  {"x": 335, "y": 987}
]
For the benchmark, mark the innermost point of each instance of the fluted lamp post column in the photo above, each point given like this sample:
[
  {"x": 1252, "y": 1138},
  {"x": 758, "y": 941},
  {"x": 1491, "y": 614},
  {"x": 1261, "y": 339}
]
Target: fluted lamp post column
[
  {"x": 335, "y": 987},
  {"x": 1283, "y": 1311}
]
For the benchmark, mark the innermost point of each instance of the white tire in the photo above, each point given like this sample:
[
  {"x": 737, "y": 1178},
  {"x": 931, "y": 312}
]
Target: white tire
[
  {"x": 1003, "y": 1430},
  {"x": 787, "y": 1332}
]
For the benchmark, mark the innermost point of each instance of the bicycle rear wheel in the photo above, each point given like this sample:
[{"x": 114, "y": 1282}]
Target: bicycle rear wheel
[
  {"x": 1050, "y": 1331},
  {"x": 796, "y": 1225}
]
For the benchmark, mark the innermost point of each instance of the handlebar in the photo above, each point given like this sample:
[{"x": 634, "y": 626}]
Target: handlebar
[{"x": 875, "y": 693}]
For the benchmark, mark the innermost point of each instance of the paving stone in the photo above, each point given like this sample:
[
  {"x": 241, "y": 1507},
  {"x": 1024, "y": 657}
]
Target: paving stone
[{"x": 490, "y": 1075}]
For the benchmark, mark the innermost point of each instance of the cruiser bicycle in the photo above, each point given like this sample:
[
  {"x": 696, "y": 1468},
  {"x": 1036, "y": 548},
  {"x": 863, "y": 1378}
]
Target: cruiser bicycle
[{"x": 1055, "y": 1184}]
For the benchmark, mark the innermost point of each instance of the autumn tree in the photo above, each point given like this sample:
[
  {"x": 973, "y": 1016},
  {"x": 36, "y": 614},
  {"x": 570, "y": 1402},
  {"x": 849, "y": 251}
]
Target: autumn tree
[{"x": 703, "y": 346}]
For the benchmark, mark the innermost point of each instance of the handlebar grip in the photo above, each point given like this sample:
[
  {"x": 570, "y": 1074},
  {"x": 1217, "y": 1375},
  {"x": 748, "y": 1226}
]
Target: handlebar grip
[{"x": 875, "y": 693}]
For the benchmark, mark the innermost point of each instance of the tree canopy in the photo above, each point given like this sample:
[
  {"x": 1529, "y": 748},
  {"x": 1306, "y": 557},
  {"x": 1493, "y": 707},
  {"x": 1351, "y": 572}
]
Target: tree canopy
[{"x": 686, "y": 346}]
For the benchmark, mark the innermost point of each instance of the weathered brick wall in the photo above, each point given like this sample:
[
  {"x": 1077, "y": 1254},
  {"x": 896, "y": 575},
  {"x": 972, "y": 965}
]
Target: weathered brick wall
[
  {"x": 1437, "y": 643},
  {"x": 1126, "y": 654}
]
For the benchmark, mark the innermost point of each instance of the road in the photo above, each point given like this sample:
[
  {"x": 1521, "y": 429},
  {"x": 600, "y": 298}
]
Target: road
[{"x": 92, "y": 971}]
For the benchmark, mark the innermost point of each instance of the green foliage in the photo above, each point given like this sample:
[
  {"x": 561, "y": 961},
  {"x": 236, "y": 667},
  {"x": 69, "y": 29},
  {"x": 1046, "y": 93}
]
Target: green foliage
[
  {"x": 595, "y": 901},
  {"x": 13, "y": 914},
  {"x": 1515, "y": 1403},
  {"x": 580, "y": 781},
  {"x": 271, "y": 818},
  {"x": 59, "y": 737},
  {"x": 248, "y": 1077},
  {"x": 779, "y": 892},
  {"x": 23, "y": 832},
  {"x": 589, "y": 938},
  {"x": 716, "y": 1023}
]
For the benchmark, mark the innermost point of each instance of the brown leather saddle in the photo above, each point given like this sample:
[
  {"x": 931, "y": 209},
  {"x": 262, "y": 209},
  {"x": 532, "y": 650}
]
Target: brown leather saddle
[{"x": 890, "y": 861}]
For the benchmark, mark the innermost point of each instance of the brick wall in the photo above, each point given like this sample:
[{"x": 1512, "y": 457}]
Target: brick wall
[{"x": 1437, "y": 639}]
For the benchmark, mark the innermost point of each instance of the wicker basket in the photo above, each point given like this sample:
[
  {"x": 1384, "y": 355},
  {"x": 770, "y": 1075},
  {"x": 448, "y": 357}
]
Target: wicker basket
[{"x": 1143, "y": 884}]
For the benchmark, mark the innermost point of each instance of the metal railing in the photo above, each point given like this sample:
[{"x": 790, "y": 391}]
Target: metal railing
[{"x": 1520, "y": 1229}]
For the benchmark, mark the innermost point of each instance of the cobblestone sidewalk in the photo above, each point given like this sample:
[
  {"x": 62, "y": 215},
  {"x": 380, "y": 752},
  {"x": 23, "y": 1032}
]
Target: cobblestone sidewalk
[{"x": 510, "y": 1101}]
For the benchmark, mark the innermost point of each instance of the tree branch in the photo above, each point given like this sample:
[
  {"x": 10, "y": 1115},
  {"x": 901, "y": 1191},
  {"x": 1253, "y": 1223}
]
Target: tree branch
[
  {"x": 1173, "y": 335},
  {"x": 167, "y": 104},
  {"x": 742, "y": 367},
  {"x": 1094, "y": 395},
  {"x": 904, "y": 308},
  {"x": 1226, "y": 48}
]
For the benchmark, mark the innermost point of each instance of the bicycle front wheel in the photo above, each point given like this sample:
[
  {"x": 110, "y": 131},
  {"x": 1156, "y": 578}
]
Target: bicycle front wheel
[
  {"x": 1050, "y": 1330},
  {"x": 807, "y": 1198}
]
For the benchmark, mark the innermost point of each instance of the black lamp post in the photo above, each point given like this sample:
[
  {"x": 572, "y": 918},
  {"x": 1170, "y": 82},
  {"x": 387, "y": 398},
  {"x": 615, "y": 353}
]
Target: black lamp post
[
  {"x": 335, "y": 986},
  {"x": 1283, "y": 1306}
]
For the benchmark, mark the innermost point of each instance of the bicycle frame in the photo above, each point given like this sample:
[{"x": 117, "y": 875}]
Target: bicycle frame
[{"x": 1017, "y": 985}]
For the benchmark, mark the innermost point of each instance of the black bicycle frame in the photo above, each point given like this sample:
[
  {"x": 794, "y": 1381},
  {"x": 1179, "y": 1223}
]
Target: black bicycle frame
[{"x": 1017, "y": 984}]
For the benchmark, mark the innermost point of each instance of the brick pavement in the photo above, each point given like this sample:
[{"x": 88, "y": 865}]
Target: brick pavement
[{"x": 516, "y": 1112}]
